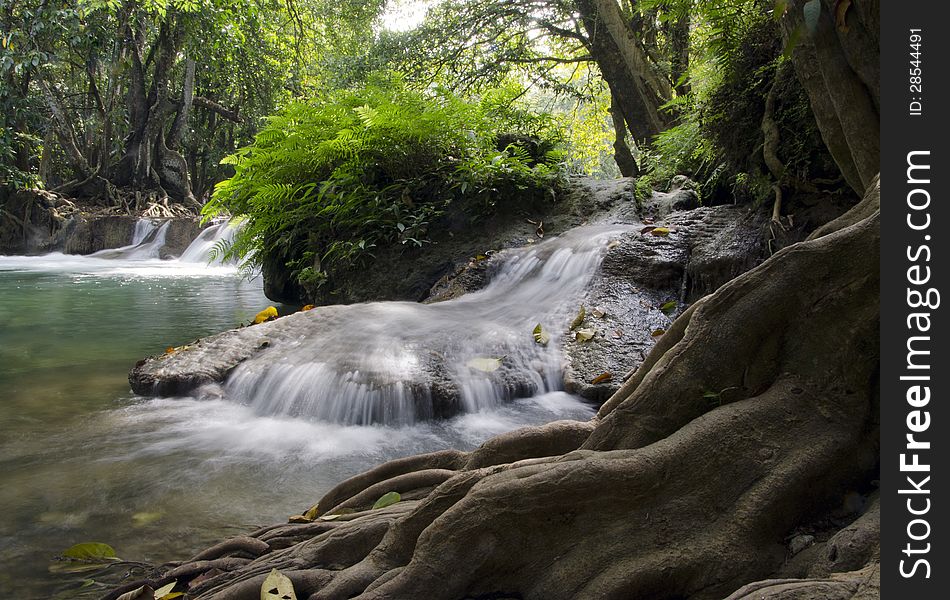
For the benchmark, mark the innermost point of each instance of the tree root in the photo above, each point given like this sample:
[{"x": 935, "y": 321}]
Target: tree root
[{"x": 752, "y": 415}]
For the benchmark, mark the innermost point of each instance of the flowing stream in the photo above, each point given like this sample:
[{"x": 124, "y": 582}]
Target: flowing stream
[{"x": 83, "y": 459}]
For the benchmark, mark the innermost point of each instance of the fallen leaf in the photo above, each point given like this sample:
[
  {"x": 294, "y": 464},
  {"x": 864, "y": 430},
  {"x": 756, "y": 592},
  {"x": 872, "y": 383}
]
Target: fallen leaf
[
  {"x": 668, "y": 307},
  {"x": 312, "y": 512},
  {"x": 660, "y": 231},
  {"x": 617, "y": 333},
  {"x": 481, "y": 363},
  {"x": 602, "y": 378},
  {"x": 140, "y": 519},
  {"x": 297, "y": 519},
  {"x": 265, "y": 315},
  {"x": 277, "y": 586},
  {"x": 169, "y": 350},
  {"x": 90, "y": 551},
  {"x": 540, "y": 335},
  {"x": 140, "y": 593},
  {"x": 387, "y": 499},
  {"x": 647, "y": 229},
  {"x": 337, "y": 514},
  {"x": 657, "y": 332},
  {"x": 582, "y": 335},
  {"x": 165, "y": 590},
  {"x": 599, "y": 312},
  {"x": 579, "y": 319},
  {"x": 307, "y": 307}
]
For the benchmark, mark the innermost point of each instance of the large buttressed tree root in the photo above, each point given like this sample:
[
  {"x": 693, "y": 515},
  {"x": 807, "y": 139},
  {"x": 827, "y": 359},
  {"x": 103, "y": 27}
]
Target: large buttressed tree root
[{"x": 756, "y": 412}]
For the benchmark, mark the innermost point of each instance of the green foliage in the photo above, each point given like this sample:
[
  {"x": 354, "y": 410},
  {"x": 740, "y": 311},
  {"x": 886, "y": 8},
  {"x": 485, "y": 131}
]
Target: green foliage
[{"x": 327, "y": 181}]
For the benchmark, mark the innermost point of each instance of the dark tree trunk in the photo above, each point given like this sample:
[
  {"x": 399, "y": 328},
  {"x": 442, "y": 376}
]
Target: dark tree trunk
[{"x": 622, "y": 154}]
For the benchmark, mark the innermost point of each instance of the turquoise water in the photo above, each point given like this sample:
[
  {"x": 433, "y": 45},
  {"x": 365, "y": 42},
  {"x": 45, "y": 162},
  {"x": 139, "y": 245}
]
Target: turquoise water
[{"x": 83, "y": 459}]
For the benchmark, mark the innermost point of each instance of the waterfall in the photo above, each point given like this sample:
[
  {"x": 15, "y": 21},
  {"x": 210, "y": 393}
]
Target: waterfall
[
  {"x": 199, "y": 251},
  {"x": 363, "y": 363},
  {"x": 147, "y": 241}
]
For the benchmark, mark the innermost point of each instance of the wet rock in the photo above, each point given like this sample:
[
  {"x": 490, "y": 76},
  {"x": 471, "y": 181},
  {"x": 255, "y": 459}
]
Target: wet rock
[
  {"x": 181, "y": 232},
  {"x": 405, "y": 273},
  {"x": 799, "y": 543}
]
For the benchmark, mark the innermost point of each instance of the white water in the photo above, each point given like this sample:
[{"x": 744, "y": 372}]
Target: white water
[
  {"x": 81, "y": 458},
  {"x": 369, "y": 363},
  {"x": 200, "y": 250}
]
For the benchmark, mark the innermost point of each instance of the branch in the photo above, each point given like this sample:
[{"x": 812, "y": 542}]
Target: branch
[{"x": 229, "y": 114}]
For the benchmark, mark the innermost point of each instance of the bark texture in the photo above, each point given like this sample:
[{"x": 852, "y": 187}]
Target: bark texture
[
  {"x": 840, "y": 70},
  {"x": 754, "y": 413}
]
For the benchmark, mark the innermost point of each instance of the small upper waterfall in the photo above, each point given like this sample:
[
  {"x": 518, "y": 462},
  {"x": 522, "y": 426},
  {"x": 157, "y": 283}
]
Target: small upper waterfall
[
  {"x": 147, "y": 241},
  {"x": 200, "y": 250},
  {"x": 363, "y": 363}
]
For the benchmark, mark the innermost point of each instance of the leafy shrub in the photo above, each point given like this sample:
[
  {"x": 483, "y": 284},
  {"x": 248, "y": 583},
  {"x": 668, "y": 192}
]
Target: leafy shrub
[{"x": 327, "y": 181}]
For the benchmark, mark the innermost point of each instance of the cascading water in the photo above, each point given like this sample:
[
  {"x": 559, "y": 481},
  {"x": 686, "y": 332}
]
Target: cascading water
[
  {"x": 147, "y": 241},
  {"x": 201, "y": 249},
  {"x": 399, "y": 362}
]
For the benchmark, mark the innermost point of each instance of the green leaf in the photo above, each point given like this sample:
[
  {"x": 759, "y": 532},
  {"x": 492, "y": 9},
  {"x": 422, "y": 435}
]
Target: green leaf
[
  {"x": 540, "y": 335},
  {"x": 812, "y": 10},
  {"x": 579, "y": 319},
  {"x": 277, "y": 586},
  {"x": 91, "y": 551},
  {"x": 668, "y": 307},
  {"x": 387, "y": 499},
  {"x": 485, "y": 364}
]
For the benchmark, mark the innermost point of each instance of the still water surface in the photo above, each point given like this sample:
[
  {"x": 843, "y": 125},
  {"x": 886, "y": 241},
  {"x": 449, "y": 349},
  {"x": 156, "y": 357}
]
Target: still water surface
[{"x": 83, "y": 459}]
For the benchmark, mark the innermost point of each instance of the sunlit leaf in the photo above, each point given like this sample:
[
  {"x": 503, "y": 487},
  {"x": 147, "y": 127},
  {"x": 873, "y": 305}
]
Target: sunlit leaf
[
  {"x": 307, "y": 307},
  {"x": 265, "y": 315},
  {"x": 277, "y": 586},
  {"x": 602, "y": 378},
  {"x": 387, "y": 499},
  {"x": 312, "y": 512},
  {"x": 660, "y": 231},
  {"x": 540, "y": 335},
  {"x": 485, "y": 364}
]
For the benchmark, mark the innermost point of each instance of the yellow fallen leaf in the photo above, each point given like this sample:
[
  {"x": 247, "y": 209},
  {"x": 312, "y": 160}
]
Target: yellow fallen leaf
[
  {"x": 307, "y": 307},
  {"x": 602, "y": 378},
  {"x": 660, "y": 231},
  {"x": 265, "y": 315}
]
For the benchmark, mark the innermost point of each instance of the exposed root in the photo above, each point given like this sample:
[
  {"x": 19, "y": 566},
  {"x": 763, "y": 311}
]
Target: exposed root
[{"x": 634, "y": 503}]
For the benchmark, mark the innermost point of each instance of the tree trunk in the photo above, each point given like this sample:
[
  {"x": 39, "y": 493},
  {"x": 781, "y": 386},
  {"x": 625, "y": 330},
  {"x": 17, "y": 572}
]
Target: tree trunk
[
  {"x": 622, "y": 154},
  {"x": 639, "y": 91},
  {"x": 149, "y": 162},
  {"x": 840, "y": 72}
]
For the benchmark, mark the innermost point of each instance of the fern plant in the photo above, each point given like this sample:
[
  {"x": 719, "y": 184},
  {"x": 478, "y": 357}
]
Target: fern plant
[{"x": 328, "y": 181}]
